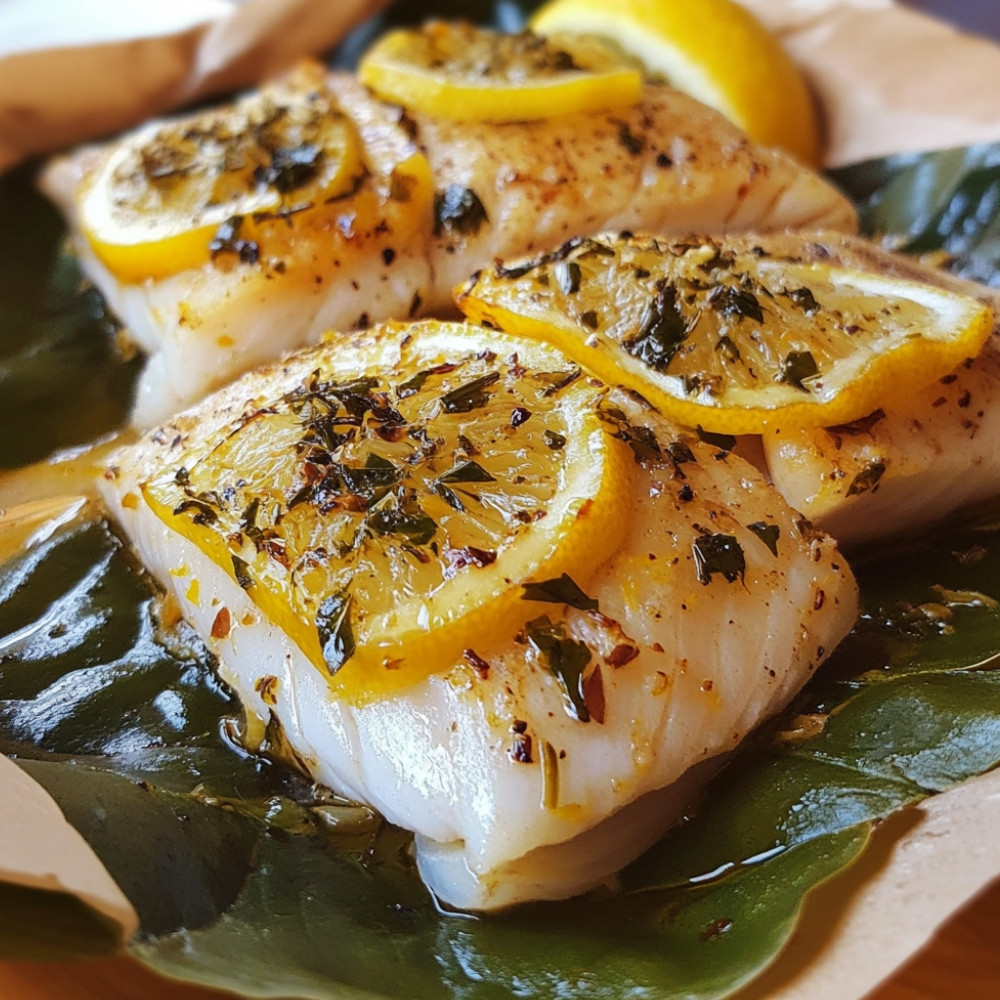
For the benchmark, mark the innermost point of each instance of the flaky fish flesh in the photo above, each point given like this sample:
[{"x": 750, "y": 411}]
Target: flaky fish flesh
[
  {"x": 573, "y": 682},
  {"x": 432, "y": 199}
]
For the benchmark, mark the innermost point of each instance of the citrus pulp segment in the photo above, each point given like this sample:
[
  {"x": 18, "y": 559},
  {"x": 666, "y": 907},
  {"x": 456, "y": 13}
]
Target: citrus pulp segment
[
  {"x": 457, "y": 71},
  {"x": 715, "y": 50},
  {"x": 467, "y": 467},
  {"x": 172, "y": 194},
  {"x": 734, "y": 341}
]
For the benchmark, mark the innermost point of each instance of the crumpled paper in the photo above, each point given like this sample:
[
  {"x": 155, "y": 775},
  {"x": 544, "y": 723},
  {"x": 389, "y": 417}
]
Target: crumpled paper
[
  {"x": 888, "y": 79},
  {"x": 72, "y": 70}
]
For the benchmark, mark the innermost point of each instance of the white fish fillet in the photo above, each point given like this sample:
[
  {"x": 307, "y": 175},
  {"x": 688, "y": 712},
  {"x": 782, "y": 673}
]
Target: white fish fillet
[
  {"x": 909, "y": 464},
  {"x": 667, "y": 165},
  {"x": 511, "y": 797}
]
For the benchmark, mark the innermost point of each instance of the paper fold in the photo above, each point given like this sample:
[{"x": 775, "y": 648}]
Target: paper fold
[{"x": 40, "y": 850}]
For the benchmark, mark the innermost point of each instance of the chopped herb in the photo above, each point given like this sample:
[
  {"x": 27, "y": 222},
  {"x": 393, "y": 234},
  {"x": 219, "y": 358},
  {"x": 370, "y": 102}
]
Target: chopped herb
[
  {"x": 718, "y": 553},
  {"x": 662, "y": 329},
  {"x": 735, "y": 303},
  {"x": 470, "y": 396},
  {"x": 248, "y": 524},
  {"x": 518, "y": 416},
  {"x": 725, "y": 442},
  {"x": 450, "y": 497},
  {"x": 641, "y": 440},
  {"x": 408, "y": 520},
  {"x": 562, "y": 590},
  {"x": 860, "y": 426},
  {"x": 290, "y": 167},
  {"x": 797, "y": 367},
  {"x": 867, "y": 478},
  {"x": 566, "y": 659},
  {"x": 680, "y": 453},
  {"x": 371, "y": 481},
  {"x": 205, "y": 513},
  {"x": 416, "y": 382},
  {"x": 227, "y": 240},
  {"x": 334, "y": 628},
  {"x": 458, "y": 209},
  {"x": 550, "y": 776},
  {"x": 182, "y": 477},
  {"x": 633, "y": 144},
  {"x": 467, "y": 472},
  {"x": 804, "y": 299},
  {"x": 554, "y": 381},
  {"x": 589, "y": 319},
  {"x": 728, "y": 349},
  {"x": 553, "y": 440},
  {"x": 767, "y": 533},
  {"x": 242, "y": 573}
]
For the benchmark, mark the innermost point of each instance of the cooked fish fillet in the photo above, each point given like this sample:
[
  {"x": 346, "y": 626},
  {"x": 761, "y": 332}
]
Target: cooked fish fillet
[
  {"x": 668, "y": 164},
  {"x": 710, "y": 604},
  {"x": 905, "y": 465}
]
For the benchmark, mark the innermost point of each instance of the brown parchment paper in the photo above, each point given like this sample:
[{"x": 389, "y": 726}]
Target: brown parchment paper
[
  {"x": 39, "y": 849},
  {"x": 887, "y": 78},
  {"x": 72, "y": 70}
]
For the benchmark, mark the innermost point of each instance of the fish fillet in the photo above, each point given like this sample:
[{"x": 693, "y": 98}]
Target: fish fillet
[
  {"x": 711, "y": 608},
  {"x": 906, "y": 465},
  {"x": 668, "y": 164}
]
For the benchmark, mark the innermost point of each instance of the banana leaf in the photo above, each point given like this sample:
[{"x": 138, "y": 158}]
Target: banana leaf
[{"x": 247, "y": 877}]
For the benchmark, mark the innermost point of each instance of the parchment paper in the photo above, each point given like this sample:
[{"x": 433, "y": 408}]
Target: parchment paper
[
  {"x": 72, "y": 70},
  {"x": 887, "y": 78},
  {"x": 39, "y": 849}
]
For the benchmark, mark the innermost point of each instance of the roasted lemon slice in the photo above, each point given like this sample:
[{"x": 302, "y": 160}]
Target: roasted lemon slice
[
  {"x": 387, "y": 511},
  {"x": 715, "y": 50},
  {"x": 457, "y": 71},
  {"x": 732, "y": 340},
  {"x": 170, "y": 194}
]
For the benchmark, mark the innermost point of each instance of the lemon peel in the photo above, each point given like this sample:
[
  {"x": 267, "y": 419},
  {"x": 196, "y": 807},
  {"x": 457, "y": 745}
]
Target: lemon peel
[
  {"x": 714, "y": 50},
  {"x": 457, "y": 71},
  {"x": 734, "y": 341},
  {"x": 387, "y": 517}
]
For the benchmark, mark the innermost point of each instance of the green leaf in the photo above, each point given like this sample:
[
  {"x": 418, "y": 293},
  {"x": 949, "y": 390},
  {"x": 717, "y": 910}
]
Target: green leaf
[
  {"x": 935, "y": 201},
  {"x": 63, "y": 381}
]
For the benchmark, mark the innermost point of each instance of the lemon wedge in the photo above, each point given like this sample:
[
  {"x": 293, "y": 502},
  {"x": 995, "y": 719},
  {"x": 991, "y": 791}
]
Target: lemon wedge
[
  {"x": 734, "y": 341},
  {"x": 458, "y": 71},
  {"x": 387, "y": 515},
  {"x": 714, "y": 50},
  {"x": 173, "y": 193}
]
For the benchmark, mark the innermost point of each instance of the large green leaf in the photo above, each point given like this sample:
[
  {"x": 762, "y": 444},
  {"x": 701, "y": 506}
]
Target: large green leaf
[
  {"x": 948, "y": 201},
  {"x": 62, "y": 381}
]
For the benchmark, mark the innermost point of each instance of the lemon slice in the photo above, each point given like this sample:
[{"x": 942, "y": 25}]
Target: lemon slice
[
  {"x": 387, "y": 514},
  {"x": 457, "y": 71},
  {"x": 733, "y": 340},
  {"x": 169, "y": 195},
  {"x": 714, "y": 50}
]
